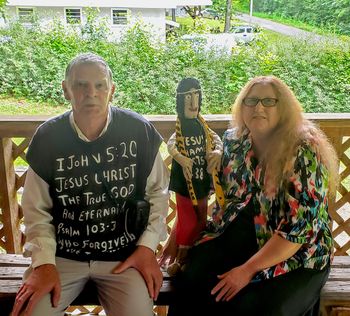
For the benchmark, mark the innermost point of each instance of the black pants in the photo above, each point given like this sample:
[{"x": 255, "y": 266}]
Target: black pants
[{"x": 291, "y": 294}]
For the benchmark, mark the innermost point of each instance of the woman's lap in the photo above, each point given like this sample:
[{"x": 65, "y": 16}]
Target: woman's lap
[
  {"x": 236, "y": 245},
  {"x": 298, "y": 290},
  {"x": 291, "y": 294}
]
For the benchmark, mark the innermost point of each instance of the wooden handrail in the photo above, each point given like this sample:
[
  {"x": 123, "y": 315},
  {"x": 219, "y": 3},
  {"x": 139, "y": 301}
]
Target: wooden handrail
[{"x": 335, "y": 125}]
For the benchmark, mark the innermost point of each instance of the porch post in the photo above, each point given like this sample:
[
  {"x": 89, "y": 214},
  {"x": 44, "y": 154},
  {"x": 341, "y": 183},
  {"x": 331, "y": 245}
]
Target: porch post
[{"x": 8, "y": 200}]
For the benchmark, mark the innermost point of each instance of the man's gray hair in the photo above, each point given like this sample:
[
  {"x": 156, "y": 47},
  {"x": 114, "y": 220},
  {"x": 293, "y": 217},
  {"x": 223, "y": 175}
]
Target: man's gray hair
[{"x": 88, "y": 58}]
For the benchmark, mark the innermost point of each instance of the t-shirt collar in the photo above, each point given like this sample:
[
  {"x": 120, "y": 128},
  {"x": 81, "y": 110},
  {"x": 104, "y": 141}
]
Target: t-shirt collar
[{"x": 80, "y": 133}]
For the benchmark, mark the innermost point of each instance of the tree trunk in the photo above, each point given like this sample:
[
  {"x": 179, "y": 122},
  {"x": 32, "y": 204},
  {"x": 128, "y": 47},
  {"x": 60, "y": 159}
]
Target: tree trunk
[
  {"x": 228, "y": 15},
  {"x": 193, "y": 12}
]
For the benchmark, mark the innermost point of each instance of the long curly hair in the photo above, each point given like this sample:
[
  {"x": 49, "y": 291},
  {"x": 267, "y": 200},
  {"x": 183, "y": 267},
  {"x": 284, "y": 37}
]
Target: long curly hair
[{"x": 291, "y": 130}]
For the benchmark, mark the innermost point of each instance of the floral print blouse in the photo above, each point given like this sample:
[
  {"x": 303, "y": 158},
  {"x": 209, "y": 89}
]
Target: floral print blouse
[{"x": 297, "y": 212}]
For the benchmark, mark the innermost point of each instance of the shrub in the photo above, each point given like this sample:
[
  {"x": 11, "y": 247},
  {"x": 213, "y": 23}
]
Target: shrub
[{"x": 32, "y": 63}]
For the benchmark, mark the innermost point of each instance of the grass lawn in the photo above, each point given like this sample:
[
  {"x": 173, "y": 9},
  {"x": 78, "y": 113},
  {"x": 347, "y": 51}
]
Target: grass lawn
[{"x": 20, "y": 106}]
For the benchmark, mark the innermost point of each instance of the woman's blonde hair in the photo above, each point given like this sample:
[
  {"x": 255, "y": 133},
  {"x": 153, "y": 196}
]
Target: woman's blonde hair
[{"x": 291, "y": 130}]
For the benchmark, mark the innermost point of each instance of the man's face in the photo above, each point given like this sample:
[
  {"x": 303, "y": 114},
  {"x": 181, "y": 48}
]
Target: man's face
[
  {"x": 191, "y": 108},
  {"x": 88, "y": 89}
]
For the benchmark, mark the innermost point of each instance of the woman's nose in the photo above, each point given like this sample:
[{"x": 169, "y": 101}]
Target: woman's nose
[{"x": 259, "y": 106}]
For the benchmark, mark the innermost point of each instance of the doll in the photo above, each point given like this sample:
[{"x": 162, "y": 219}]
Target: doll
[{"x": 196, "y": 151}]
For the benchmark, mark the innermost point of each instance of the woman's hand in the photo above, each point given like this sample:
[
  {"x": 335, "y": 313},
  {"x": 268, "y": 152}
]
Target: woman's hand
[
  {"x": 231, "y": 283},
  {"x": 276, "y": 250}
]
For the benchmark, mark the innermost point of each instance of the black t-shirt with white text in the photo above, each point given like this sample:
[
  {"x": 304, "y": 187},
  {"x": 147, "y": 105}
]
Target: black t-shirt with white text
[
  {"x": 90, "y": 182},
  {"x": 195, "y": 144}
]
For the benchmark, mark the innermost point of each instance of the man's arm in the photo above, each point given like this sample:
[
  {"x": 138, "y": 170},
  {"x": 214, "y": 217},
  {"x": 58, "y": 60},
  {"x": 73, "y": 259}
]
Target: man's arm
[
  {"x": 39, "y": 230},
  {"x": 40, "y": 245},
  {"x": 157, "y": 195}
]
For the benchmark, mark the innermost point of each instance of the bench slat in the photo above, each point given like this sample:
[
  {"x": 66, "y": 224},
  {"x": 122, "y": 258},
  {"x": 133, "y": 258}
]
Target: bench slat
[
  {"x": 341, "y": 261},
  {"x": 9, "y": 287},
  {"x": 13, "y": 260},
  {"x": 336, "y": 291},
  {"x": 339, "y": 274},
  {"x": 12, "y": 272}
]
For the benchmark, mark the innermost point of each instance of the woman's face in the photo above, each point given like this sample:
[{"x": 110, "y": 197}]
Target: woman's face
[
  {"x": 260, "y": 119},
  {"x": 191, "y": 104}
]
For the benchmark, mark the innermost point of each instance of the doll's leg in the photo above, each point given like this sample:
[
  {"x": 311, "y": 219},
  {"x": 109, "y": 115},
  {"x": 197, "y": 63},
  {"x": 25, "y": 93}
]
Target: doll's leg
[
  {"x": 202, "y": 215},
  {"x": 187, "y": 229},
  {"x": 186, "y": 221}
]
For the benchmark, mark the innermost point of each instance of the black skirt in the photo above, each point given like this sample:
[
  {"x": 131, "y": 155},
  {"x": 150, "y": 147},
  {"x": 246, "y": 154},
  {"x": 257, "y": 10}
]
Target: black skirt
[{"x": 291, "y": 294}]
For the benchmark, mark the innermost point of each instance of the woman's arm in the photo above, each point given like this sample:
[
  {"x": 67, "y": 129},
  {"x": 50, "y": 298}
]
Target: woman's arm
[
  {"x": 276, "y": 250},
  {"x": 305, "y": 219}
]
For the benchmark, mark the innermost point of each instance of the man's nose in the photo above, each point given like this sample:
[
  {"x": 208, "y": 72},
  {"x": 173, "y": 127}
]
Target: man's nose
[{"x": 91, "y": 90}]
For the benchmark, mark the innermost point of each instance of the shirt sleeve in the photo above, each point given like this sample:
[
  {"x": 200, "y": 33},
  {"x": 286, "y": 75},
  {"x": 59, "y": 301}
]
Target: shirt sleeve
[
  {"x": 39, "y": 230},
  {"x": 305, "y": 201},
  {"x": 171, "y": 145},
  {"x": 158, "y": 196},
  {"x": 218, "y": 146}
]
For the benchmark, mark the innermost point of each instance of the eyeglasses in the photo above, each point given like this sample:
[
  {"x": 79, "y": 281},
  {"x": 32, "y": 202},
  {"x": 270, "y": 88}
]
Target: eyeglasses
[{"x": 266, "y": 102}]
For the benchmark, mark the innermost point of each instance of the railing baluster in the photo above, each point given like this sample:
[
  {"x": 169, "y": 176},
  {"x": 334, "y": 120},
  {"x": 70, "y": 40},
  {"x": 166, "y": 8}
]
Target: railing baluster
[{"x": 9, "y": 203}]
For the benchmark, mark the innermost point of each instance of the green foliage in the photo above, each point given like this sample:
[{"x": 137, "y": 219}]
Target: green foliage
[
  {"x": 2, "y": 6},
  {"x": 95, "y": 29},
  {"x": 331, "y": 14},
  {"x": 237, "y": 5},
  {"x": 146, "y": 73},
  {"x": 199, "y": 25}
]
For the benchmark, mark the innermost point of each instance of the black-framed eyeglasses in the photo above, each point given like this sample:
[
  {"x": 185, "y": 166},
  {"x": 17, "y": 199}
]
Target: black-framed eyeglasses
[{"x": 266, "y": 102}]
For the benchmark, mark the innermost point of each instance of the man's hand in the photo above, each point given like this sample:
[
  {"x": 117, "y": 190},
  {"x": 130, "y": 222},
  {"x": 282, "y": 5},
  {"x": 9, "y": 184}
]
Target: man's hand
[
  {"x": 214, "y": 161},
  {"x": 42, "y": 280},
  {"x": 231, "y": 283},
  {"x": 169, "y": 250},
  {"x": 144, "y": 260}
]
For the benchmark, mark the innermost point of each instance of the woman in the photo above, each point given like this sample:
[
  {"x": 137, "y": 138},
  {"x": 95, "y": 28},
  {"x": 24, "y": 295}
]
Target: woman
[{"x": 268, "y": 251}]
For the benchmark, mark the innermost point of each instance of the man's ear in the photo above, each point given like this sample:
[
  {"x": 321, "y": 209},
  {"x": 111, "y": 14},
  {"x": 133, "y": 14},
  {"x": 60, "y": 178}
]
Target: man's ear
[
  {"x": 112, "y": 93},
  {"x": 65, "y": 90}
]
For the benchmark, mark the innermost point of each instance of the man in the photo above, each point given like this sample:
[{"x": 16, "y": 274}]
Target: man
[{"x": 90, "y": 169}]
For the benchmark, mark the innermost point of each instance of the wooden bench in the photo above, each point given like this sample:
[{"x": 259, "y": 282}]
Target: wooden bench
[
  {"x": 13, "y": 266},
  {"x": 335, "y": 298}
]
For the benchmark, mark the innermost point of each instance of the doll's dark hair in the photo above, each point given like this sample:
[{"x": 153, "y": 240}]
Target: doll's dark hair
[{"x": 185, "y": 85}]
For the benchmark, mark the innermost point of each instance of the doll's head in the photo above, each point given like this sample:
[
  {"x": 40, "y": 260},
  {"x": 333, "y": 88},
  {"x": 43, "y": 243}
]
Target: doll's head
[{"x": 188, "y": 98}]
